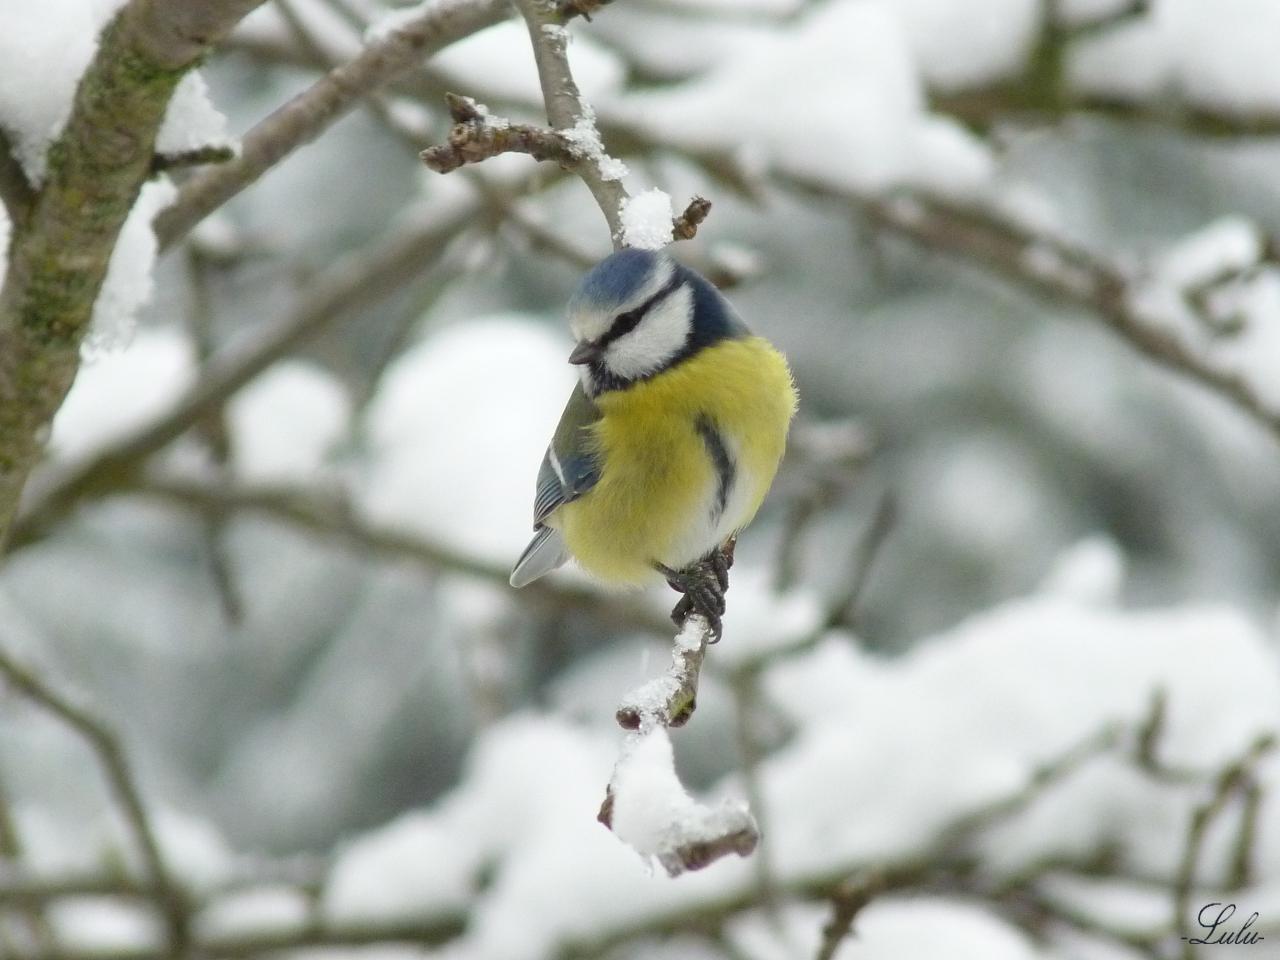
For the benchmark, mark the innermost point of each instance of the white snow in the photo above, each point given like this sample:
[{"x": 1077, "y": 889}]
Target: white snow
[
  {"x": 1044, "y": 674},
  {"x": 415, "y": 866},
  {"x": 646, "y": 220},
  {"x": 836, "y": 97},
  {"x": 1215, "y": 55},
  {"x": 889, "y": 928},
  {"x": 958, "y": 45},
  {"x": 584, "y": 140},
  {"x": 103, "y": 924},
  {"x": 116, "y": 393},
  {"x": 191, "y": 120},
  {"x": 1228, "y": 245},
  {"x": 128, "y": 285},
  {"x": 1239, "y": 296},
  {"x": 652, "y": 811},
  {"x": 44, "y": 48},
  {"x": 458, "y": 428},
  {"x": 285, "y": 425},
  {"x": 254, "y": 911},
  {"x": 497, "y": 64}
]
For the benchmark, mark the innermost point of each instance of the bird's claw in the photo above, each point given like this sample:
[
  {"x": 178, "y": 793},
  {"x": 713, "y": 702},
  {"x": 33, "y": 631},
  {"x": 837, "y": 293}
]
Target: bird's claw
[{"x": 703, "y": 585}]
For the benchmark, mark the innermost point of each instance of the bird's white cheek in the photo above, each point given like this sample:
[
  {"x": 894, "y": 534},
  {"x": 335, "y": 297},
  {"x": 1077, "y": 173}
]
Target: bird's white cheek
[{"x": 659, "y": 337}]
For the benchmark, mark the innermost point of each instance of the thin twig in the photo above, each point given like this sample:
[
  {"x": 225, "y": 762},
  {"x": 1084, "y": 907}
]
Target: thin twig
[
  {"x": 846, "y": 903},
  {"x": 1233, "y": 779},
  {"x": 107, "y": 747}
]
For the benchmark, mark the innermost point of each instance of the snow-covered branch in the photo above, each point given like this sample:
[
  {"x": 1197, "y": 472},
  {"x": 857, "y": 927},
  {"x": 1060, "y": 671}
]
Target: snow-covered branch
[
  {"x": 569, "y": 113},
  {"x": 59, "y": 253}
]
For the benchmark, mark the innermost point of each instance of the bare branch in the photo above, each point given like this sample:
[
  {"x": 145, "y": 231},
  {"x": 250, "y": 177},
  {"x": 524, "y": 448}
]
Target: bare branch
[
  {"x": 115, "y": 765},
  {"x": 314, "y": 110},
  {"x": 191, "y": 158}
]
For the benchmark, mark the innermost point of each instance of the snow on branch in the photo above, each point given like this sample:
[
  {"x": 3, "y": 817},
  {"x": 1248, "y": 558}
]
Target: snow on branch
[
  {"x": 61, "y": 249},
  {"x": 645, "y": 804},
  {"x": 572, "y": 140}
]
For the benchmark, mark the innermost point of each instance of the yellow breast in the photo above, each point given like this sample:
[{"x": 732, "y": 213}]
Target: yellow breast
[{"x": 659, "y": 496}]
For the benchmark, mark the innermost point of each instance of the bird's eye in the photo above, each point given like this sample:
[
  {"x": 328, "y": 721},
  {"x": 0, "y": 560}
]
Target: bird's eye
[{"x": 626, "y": 322}]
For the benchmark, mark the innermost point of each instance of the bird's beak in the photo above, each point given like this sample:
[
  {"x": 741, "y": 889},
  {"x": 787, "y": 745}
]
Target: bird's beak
[{"x": 585, "y": 352}]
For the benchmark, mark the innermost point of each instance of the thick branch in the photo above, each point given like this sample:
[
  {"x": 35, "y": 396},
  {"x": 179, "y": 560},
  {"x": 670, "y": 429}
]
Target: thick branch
[
  {"x": 314, "y": 110},
  {"x": 16, "y": 192},
  {"x": 60, "y": 251}
]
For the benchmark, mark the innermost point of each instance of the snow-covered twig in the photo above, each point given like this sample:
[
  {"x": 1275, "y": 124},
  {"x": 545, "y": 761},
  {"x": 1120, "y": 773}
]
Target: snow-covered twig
[
  {"x": 106, "y": 746},
  {"x": 476, "y": 137},
  {"x": 569, "y": 113},
  {"x": 325, "y": 102},
  {"x": 645, "y": 804}
]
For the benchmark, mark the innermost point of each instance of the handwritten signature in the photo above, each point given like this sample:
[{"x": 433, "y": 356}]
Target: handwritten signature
[{"x": 1215, "y": 928}]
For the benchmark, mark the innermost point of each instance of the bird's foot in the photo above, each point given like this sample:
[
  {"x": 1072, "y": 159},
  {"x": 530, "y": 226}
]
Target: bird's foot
[{"x": 703, "y": 585}]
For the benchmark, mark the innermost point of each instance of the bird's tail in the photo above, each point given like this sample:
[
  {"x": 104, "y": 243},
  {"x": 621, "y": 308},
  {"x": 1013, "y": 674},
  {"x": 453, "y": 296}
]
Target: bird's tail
[{"x": 543, "y": 554}]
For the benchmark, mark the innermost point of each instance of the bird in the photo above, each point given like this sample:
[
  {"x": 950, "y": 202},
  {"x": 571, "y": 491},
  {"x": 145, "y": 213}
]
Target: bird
[{"x": 670, "y": 439}]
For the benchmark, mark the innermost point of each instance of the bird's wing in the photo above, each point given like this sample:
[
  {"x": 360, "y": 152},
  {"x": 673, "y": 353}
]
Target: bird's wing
[{"x": 569, "y": 468}]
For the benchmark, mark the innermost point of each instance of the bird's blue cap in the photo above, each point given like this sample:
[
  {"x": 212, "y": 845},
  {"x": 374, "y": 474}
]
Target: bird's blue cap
[{"x": 616, "y": 279}]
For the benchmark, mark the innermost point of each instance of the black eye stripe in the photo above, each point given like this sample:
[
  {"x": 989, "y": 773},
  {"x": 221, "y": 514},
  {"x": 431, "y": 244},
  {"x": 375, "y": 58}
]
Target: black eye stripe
[{"x": 624, "y": 323}]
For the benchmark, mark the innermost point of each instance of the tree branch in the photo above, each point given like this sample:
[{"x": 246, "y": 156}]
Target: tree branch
[
  {"x": 567, "y": 111},
  {"x": 16, "y": 192},
  {"x": 314, "y": 110},
  {"x": 1054, "y": 267},
  {"x": 59, "y": 252}
]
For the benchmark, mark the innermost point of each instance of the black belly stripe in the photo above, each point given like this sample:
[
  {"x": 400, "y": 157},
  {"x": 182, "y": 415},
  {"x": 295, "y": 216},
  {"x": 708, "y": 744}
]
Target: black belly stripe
[{"x": 720, "y": 459}]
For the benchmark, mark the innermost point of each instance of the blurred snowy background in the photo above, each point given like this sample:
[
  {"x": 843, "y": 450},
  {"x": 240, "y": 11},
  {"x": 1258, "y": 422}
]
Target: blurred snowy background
[{"x": 1001, "y": 652}]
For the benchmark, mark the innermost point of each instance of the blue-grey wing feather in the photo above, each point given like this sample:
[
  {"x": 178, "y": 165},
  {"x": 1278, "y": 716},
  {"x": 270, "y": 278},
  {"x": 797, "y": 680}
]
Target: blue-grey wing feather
[{"x": 569, "y": 468}]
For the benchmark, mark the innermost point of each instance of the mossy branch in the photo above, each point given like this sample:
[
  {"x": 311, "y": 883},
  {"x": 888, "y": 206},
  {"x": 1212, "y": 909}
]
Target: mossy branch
[{"x": 60, "y": 249}]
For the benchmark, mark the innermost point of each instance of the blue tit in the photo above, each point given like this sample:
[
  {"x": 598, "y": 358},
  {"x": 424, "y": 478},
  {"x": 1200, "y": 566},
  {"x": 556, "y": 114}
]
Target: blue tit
[{"x": 671, "y": 438}]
